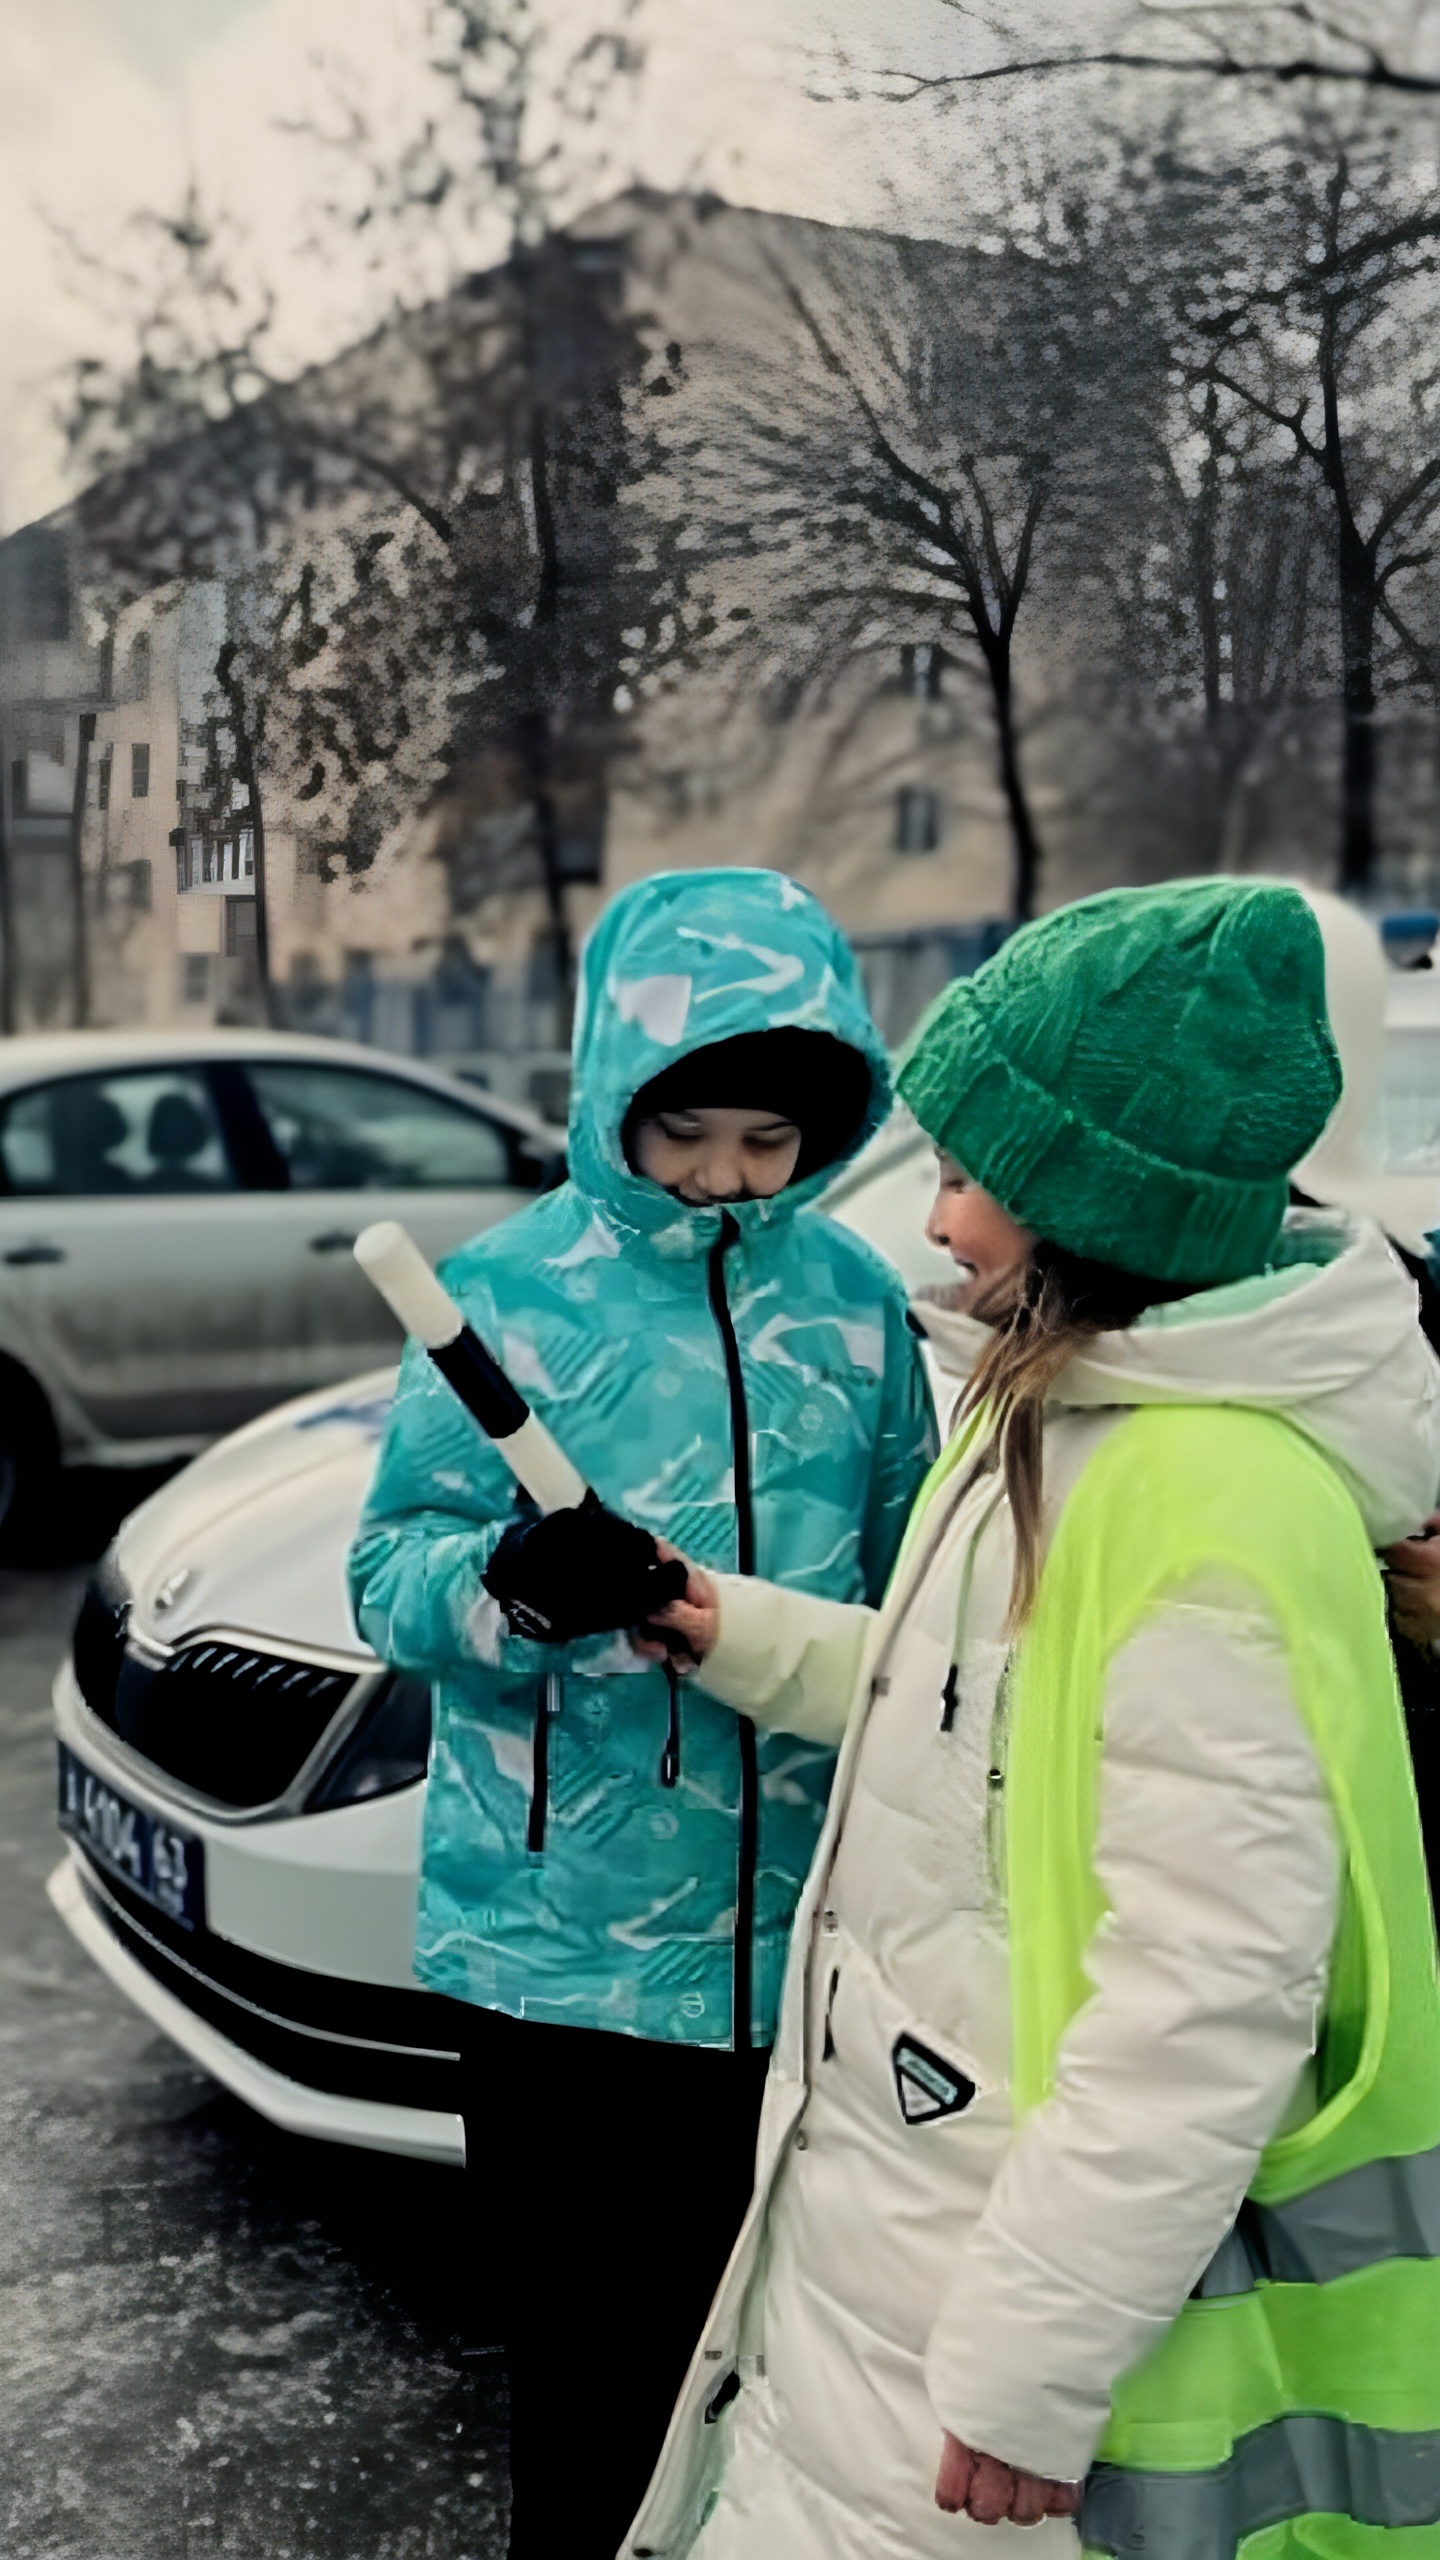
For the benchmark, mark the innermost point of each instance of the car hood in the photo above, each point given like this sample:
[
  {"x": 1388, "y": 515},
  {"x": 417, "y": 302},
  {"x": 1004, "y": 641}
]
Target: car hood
[{"x": 252, "y": 1537}]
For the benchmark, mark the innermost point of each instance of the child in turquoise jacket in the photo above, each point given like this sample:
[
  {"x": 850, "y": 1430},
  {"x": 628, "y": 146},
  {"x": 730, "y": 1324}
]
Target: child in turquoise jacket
[{"x": 610, "y": 1867}]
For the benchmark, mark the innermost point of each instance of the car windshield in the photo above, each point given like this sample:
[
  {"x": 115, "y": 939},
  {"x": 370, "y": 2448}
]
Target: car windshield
[{"x": 1409, "y": 1120}]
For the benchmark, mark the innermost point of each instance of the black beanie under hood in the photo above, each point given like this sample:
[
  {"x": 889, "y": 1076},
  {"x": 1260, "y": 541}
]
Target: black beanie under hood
[{"x": 809, "y": 1077}]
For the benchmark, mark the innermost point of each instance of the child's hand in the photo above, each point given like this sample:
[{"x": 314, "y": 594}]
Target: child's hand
[
  {"x": 694, "y": 1619},
  {"x": 1414, "y": 1572},
  {"x": 976, "y": 2485},
  {"x": 578, "y": 1572}
]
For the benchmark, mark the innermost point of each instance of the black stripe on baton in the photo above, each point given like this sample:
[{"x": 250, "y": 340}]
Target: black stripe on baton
[{"x": 481, "y": 1384}]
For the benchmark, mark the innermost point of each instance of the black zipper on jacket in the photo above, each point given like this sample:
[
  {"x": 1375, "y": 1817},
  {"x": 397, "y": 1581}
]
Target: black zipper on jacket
[
  {"x": 742, "y": 1990},
  {"x": 670, "y": 1756},
  {"x": 547, "y": 1704}
]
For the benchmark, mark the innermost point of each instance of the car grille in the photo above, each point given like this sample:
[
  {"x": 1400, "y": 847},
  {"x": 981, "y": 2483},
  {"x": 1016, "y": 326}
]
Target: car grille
[{"x": 234, "y": 1722}]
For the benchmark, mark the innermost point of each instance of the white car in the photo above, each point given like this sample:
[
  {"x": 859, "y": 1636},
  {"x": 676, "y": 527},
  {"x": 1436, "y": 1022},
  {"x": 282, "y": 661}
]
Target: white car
[
  {"x": 242, "y": 1785},
  {"x": 176, "y": 1217},
  {"x": 242, "y": 1781}
]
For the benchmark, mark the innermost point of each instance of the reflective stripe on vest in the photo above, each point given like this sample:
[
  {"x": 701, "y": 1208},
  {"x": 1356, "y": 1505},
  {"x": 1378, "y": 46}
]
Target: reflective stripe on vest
[
  {"x": 1303, "y": 2377},
  {"x": 1387, "y": 2209},
  {"x": 1299, "y": 2465}
]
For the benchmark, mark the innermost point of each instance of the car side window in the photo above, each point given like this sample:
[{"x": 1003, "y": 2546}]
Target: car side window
[
  {"x": 342, "y": 1129},
  {"x": 144, "y": 1130}
]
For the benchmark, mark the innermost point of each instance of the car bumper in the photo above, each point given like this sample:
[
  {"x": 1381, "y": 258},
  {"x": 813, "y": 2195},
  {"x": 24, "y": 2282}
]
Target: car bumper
[
  {"x": 170, "y": 1990},
  {"x": 296, "y": 1990}
]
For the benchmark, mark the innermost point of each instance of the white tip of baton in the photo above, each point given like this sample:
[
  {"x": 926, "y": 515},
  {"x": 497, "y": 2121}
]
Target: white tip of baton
[{"x": 392, "y": 1261}]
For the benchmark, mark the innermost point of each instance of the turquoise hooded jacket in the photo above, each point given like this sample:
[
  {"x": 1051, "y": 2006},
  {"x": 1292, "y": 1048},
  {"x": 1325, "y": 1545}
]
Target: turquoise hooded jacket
[{"x": 743, "y": 1382}]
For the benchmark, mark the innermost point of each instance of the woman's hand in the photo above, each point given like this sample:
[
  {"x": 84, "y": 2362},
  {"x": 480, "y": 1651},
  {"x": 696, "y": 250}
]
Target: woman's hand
[
  {"x": 976, "y": 2485},
  {"x": 1414, "y": 1572},
  {"x": 694, "y": 1619}
]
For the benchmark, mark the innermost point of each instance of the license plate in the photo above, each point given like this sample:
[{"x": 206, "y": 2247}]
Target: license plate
[{"x": 146, "y": 1852}]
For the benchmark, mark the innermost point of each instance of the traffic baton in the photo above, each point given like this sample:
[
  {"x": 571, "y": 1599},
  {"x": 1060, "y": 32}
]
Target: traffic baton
[{"x": 393, "y": 1263}]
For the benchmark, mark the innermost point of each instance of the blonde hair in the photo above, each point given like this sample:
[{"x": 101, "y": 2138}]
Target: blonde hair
[{"x": 1060, "y": 1303}]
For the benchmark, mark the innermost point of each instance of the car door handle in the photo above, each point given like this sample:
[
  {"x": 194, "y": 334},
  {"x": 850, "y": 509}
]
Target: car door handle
[
  {"x": 334, "y": 1240},
  {"x": 21, "y": 1255}
]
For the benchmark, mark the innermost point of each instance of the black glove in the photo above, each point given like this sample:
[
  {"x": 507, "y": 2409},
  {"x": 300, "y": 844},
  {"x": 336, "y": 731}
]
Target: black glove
[{"x": 581, "y": 1572}]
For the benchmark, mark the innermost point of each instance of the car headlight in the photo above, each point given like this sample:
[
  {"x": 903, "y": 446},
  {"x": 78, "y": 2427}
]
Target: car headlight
[{"x": 387, "y": 1748}]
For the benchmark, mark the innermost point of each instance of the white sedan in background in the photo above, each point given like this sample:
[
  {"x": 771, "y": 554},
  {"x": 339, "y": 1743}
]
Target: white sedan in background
[
  {"x": 242, "y": 1781},
  {"x": 176, "y": 1217}
]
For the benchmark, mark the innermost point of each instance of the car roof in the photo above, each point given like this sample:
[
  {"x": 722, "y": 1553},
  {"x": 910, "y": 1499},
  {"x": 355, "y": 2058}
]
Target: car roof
[{"x": 34, "y": 1056}]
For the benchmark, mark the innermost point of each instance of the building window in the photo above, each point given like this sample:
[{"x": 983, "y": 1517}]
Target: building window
[
  {"x": 140, "y": 667},
  {"x": 103, "y": 772},
  {"x": 917, "y": 819},
  {"x": 921, "y": 667},
  {"x": 139, "y": 772},
  {"x": 239, "y": 928},
  {"x": 194, "y": 977}
]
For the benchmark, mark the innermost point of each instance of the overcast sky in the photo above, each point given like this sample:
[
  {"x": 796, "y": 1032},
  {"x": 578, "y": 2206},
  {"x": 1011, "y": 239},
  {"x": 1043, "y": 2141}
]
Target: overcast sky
[{"x": 108, "y": 106}]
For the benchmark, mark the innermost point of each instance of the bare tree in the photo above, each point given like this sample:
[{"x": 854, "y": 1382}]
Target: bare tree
[
  {"x": 1218, "y": 614},
  {"x": 409, "y": 536},
  {"x": 1266, "y": 175},
  {"x": 1302, "y": 332},
  {"x": 888, "y": 469}
]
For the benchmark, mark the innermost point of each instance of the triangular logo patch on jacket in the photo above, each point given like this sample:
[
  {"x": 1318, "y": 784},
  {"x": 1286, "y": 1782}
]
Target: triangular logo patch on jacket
[{"x": 926, "y": 2086}]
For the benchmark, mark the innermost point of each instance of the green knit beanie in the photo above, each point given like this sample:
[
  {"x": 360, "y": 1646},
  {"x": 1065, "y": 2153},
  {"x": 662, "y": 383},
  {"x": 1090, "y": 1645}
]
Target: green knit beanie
[{"x": 1134, "y": 1077}]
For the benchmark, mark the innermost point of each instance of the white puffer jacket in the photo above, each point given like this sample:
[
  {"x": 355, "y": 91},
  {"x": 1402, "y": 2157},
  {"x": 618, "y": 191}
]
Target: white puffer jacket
[{"x": 907, "y": 2269}]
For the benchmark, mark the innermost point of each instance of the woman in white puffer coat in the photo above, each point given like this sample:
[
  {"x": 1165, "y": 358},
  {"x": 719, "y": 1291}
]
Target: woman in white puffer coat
[{"x": 1114, "y": 1982}]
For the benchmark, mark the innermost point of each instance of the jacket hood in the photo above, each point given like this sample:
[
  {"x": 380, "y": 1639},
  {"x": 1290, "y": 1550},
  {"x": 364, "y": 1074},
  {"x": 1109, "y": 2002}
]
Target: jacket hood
[
  {"x": 677, "y": 963},
  {"x": 1329, "y": 1338}
]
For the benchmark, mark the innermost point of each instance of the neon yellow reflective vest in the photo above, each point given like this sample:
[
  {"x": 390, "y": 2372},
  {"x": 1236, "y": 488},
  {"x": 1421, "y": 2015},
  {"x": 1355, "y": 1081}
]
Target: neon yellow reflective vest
[{"x": 1294, "y": 2405}]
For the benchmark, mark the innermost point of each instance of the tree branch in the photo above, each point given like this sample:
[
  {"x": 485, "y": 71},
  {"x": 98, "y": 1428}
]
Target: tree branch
[
  {"x": 1292, "y": 420},
  {"x": 1425, "y": 659},
  {"x": 1372, "y": 70},
  {"x": 1427, "y": 478}
]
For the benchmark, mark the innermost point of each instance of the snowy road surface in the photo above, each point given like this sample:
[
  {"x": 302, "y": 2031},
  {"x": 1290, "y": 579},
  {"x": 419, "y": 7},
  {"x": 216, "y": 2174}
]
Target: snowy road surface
[{"x": 214, "y": 2338}]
